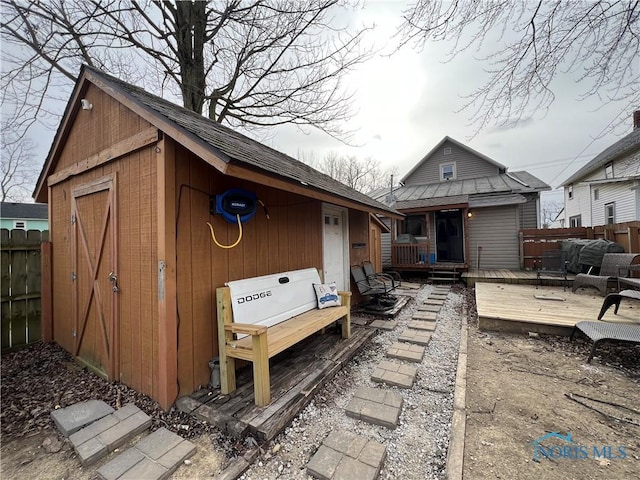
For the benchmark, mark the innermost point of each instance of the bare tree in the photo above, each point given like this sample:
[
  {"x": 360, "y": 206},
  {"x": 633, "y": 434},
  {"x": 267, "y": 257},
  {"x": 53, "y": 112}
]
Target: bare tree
[
  {"x": 251, "y": 63},
  {"x": 596, "y": 41},
  {"x": 18, "y": 168},
  {"x": 550, "y": 210},
  {"x": 364, "y": 175}
]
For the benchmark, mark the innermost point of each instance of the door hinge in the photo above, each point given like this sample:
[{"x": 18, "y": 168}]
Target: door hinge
[
  {"x": 73, "y": 276},
  {"x": 73, "y": 219}
]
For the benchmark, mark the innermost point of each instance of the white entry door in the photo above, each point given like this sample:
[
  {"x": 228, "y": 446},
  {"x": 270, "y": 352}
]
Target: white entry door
[{"x": 335, "y": 246}]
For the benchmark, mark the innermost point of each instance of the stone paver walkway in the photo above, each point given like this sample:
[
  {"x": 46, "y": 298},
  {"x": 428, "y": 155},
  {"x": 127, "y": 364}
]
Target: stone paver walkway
[
  {"x": 155, "y": 457},
  {"x": 429, "y": 308},
  {"x": 105, "y": 435},
  {"x": 346, "y": 456},
  {"x": 424, "y": 316},
  {"x": 406, "y": 351},
  {"x": 433, "y": 301},
  {"x": 393, "y": 373},
  {"x": 74, "y": 417},
  {"x": 387, "y": 325},
  {"x": 415, "y": 336},
  {"x": 376, "y": 406},
  {"x": 422, "y": 325}
]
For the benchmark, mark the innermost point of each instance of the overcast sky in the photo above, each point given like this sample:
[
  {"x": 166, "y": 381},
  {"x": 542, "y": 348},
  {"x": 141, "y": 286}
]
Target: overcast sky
[{"x": 408, "y": 101}]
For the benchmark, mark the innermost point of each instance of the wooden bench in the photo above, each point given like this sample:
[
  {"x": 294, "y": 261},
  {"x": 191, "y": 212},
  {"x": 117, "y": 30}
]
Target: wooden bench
[{"x": 261, "y": 317}]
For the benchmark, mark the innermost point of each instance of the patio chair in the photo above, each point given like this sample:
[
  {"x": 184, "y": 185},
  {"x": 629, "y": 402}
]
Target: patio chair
[
  {"x": 616, "y": 298},
  {"x": 553, "y": 262},
  {"x": 614, "y": 265},
  {"x": 379, "y": 291},
  {"x": 601, "y": 331},
  {"x": 390, "y": 279}
]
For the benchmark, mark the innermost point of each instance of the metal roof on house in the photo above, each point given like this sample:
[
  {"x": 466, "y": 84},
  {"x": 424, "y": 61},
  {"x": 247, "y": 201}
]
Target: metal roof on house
[
  {"x": 26, "y": 211},
  {"x": 227, "y": 144},
  {"x": 624, "y": 146}
]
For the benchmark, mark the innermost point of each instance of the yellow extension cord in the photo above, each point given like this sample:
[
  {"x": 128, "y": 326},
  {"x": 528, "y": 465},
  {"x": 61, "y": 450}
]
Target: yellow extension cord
[{"x": 213, "y": 235}]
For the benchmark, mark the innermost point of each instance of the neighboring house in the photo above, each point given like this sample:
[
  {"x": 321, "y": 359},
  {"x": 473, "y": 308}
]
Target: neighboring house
[
  {"x": 463, "y": 210},
  {"x": 607, "y": 189},
  {"x": 23, "y": 216},
  {"x": 131, "y": 181}
]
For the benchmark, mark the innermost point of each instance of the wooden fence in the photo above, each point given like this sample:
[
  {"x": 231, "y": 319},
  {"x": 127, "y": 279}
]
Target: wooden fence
[
  {"x": 535, "y": 241},
  {"x": 20, "y": 287}
]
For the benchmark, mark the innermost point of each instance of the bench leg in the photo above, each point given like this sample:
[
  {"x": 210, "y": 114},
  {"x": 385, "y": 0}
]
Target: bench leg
[
  {"x": 227, "y": 374},
  {"x": 261, "y": 380},
  {"x": 611, "y": 299},
  {"x": 346, "y": 326}
]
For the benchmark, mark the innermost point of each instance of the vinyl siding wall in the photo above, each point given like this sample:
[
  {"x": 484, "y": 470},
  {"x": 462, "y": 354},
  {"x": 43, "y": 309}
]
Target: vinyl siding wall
[
  {"x": 468, "y": 165},
  {"x": 529, "y": 213},
  {"x": 496, "y": 231},
  {"x": 621, "y": 194}
]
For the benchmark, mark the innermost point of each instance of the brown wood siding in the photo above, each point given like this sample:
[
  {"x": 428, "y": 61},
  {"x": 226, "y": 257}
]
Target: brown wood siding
[
  {"x": 290, "y": 239},
  {"x": 468, "y": 165},
  {"x": 92, "y": 131}
]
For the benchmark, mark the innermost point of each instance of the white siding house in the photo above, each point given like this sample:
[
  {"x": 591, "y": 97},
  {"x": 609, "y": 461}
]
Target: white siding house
[{"x": 607, "y": 189}]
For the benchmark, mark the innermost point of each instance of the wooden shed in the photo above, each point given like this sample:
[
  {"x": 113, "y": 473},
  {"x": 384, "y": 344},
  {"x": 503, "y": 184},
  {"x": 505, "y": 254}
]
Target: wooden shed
[{"x": 129, "y": 181}]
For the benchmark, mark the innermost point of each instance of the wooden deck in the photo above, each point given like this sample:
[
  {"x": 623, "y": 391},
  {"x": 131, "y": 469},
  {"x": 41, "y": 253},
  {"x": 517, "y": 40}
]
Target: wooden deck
[
  {"x": 296, "y": 375},
  {"x": 523, "y": 308},
  {"x": 527, "y": 277}
]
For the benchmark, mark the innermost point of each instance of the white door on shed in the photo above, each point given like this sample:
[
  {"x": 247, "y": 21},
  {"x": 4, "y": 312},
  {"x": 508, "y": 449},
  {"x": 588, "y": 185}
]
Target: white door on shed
[{"x": 335, "y": 248}]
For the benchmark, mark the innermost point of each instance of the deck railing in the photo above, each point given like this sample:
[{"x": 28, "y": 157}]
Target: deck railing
[{"x": 412, "y": 255}]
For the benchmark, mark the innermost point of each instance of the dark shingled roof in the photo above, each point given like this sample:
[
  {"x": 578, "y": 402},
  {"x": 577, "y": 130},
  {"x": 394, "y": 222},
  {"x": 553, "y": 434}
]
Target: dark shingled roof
[
  {"x": 237, "y": 147},
  {"x": 624, "y": 146},
  {"x": 24, "y": 210}
]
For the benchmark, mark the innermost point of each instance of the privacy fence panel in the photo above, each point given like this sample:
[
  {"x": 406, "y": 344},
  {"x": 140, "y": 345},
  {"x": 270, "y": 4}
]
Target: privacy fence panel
[{"x": 20, "y": 287}]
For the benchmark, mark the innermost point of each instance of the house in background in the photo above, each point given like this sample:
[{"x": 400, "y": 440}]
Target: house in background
[
  {"x": 463, "y": 211},
  {"x": 607, "y": 189},
  {"x": 24, "y": 216},
  {"x": 131, "y": 181}
]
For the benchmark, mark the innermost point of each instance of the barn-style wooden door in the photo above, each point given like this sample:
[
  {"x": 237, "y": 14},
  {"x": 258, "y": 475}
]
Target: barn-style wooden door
[{"x": 94, "y": 275}]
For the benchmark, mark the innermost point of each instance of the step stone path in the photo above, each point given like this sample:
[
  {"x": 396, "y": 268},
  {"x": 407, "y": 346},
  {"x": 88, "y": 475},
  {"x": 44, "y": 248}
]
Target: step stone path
[
  {"x": 419, "y": 337},
  {"x": 156, "y": 456},
  {"x": 406, "y": 351},
  {"x": 424, "y": 316},
  {"x": 387, "y": 325},
  {"x": 95, "y": 429},
  {"x": 422, "y": 325},
  {"x": 96, "y": 440},
  {"x": 379, "y": 407},
  {"x": 395, "y": 374},
  {"x": 344, "y": 455}
]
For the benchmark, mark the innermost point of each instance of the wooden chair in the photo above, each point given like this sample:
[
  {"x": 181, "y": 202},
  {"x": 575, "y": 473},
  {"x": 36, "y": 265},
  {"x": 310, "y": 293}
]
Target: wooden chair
[{"x": 614, "y": 265}]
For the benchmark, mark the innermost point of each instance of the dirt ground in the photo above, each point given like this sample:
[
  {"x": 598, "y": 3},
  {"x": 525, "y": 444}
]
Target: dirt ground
[{"x": 520, "y": 388}]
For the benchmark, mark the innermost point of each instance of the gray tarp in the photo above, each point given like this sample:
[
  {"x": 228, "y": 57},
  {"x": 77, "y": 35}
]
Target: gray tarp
[{"x": 583, "y": 254}]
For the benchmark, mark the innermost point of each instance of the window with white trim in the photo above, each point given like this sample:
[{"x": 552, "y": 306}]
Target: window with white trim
[
  {"x": 570, "y": 191},
  {"x": 447, "y": 171},
  {"x": 575, "y": 221},
  {"x": 20, "y": 225},
  {"x": 608, "y": 170},
  {"x": 610, "y": 213},
  {"x": 596, "y": 194}
]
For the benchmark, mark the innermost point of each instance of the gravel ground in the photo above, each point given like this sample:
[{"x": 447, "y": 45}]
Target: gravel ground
[{"x": 417, "y": 448}]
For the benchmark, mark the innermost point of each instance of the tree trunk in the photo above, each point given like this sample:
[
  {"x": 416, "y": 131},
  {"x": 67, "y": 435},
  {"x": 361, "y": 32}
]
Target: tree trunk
[{"x": 191, "y": 22}]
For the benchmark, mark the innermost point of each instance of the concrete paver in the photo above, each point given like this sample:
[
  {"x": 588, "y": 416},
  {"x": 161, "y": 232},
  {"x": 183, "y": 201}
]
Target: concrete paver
[
  {"x": 74, "y": 417},
  {"x": 424, "y": 315},
  {"x": 393, "y": 373},
  {"x": 379, "y": 407},
  {"x": 384, "y": 324},
  {"x": 433, "y": 301},
  {"x": 429, "y": 308},
  {"x": 422, "y": 325},
  {"x": 96, "y": 440},
  {"x": 418, "y": 337},
  {"x": 154, "y": 457},
  {"x": 346, "y": 456},
  {"x": 406, "y": 351},
  {"x": 438, "y": 296}
]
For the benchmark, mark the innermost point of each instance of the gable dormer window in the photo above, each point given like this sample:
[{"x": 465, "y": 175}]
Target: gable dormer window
[
  {"x": 608, "y": 170},
  {"x": 447, "y": 171}
]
